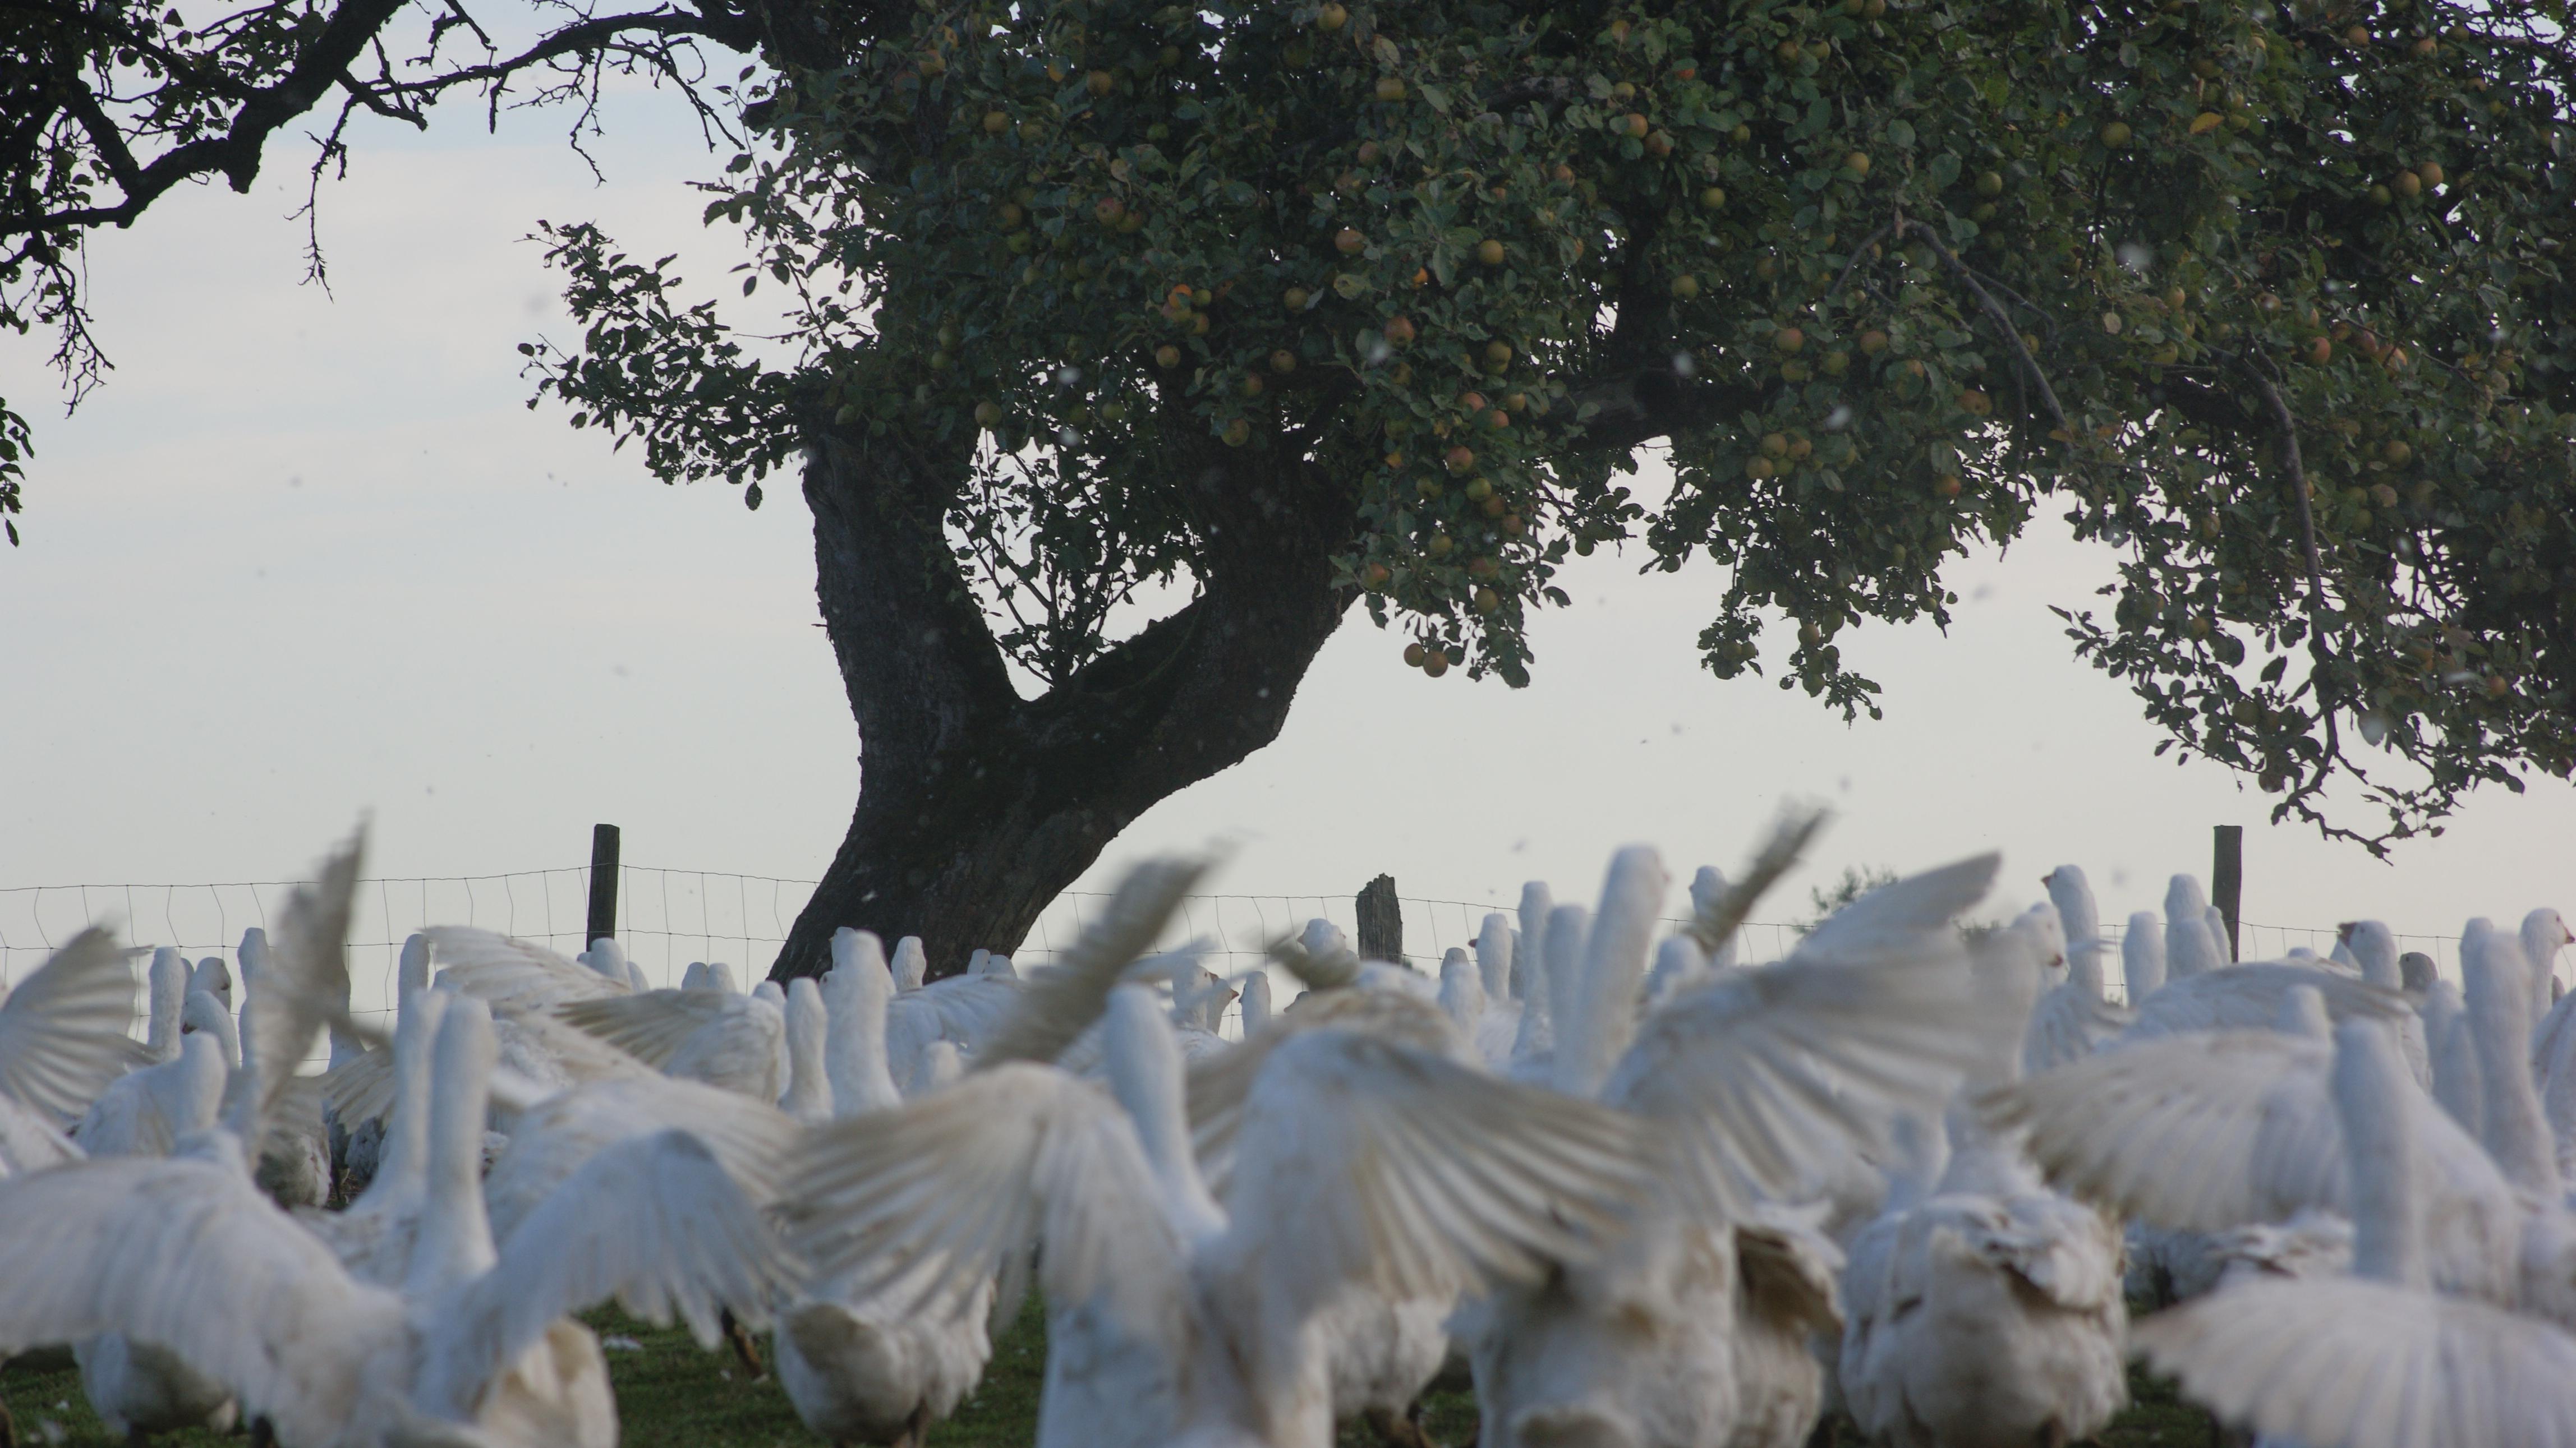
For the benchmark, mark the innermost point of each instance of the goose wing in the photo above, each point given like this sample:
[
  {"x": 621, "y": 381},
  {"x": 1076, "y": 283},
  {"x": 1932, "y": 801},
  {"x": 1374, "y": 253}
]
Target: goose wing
[
  {"x": 1220, "y": 1082},
  {"x": 2066, "y": 1025},
  {"x": 1766, "y": 1078},
  {"x": 2199, "y": 1132},
  {"x": 513, "y": 974},
  {"x": 941, "y": 1194},
  {"x": 1052, "y": 1007},
  {"x": 305, "y": 986},
  {"x": 186, "y": 1254},
  {"x": 2248, "y": 997},
  {"x": 62, "y": 1031},
  {"x": 650, "y": 1025},
  {"x": 656, "y": 1223},
  {"x": 2210, "y": 1131},
  {"x": 556, "y": 1138},
  {"x": 1362, "y": 1160},
  {"x": 2346, "y": 1363}
]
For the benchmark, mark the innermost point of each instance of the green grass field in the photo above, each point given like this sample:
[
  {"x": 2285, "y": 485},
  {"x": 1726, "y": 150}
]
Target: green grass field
[{"x": 671, "y": 1395}]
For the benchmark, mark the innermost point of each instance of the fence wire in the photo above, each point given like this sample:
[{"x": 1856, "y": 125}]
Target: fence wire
[{"x": 670, "y": 918}]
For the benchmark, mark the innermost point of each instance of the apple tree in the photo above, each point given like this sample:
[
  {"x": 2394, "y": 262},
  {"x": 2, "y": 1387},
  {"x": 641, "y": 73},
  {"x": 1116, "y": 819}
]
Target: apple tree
[{"x": 1244, "y": 312}]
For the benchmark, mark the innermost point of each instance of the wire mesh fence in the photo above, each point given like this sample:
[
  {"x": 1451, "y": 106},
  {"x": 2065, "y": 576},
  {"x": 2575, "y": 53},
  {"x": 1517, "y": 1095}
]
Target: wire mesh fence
[{"x": 670, "y": 918}]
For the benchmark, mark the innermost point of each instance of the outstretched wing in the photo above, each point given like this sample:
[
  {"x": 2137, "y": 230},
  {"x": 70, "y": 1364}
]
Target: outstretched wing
[
  {"x": 1219, "y": 1083},
  {"x": 2248, "y": 997},
  {"x": 937, "y": 1196},
  {"x": 2066, "y": 1025},
  {"x": 2197, "y": 1132},
  {"x": 305, "y": 986},
  {"x": 186, "y": 1254},
  {"x": 2346, "y": 1363},
  {"x": 648, "y": 1025},
  {"x": 655, "y": 1222},
  {"x": 2214, "y": 1130},
  {"x": 62, "y": 1031},
  {"x": 1053, "y": 1006},
  {"x": 1360, "y": 1160},
  {"x": 1767, "y": 1078},
  {"x": 511, "y": 974}
]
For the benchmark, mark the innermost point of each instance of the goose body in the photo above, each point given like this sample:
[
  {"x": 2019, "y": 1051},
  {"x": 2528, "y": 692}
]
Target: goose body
[
  {"x": 1991, "y": 1314},
  {"x": 1692, "y": 1330},
  {"x": 137, "y": 1388},
  {"x": 859, "y": 1367},
  {"x": 2375, "y": 1359},
  {"x": 731, "y": 1041}
]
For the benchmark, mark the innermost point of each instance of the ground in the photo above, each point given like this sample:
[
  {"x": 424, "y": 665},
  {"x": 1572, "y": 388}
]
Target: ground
[{"x": 671, "y": 1395}]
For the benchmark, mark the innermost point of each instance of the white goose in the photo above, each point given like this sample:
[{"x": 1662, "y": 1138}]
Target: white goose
[
  {"x": 1498, "y": 1026},
  {"x": 1990, "y": 1313},
  {"x": 2072, "y": 1017},
  {"x": 1256, "y": 1010},
  {"x": 166, "y": 994},
  {"x": 808, "y": 1097},
  {"x": 136, "y": 1388},
  {"x": 2373, "y": 949},
  {"x": 1692, "y": 1331},
  {"x": 711, "y": 1033},
  {"x": 2191, "y": 946},
  {"x": 2373, "y": 1360},
  {"x": 62, "y": 1041},
  {"x": 855, "y": 996},
  {"x": 1534, "y": 1044},
  {"x": 1356, "y": 1162},
  {"x": 144, "y": 1112},
  {"x": 476, "y": 1347},
  {"x": 2249, "y": 997},
  {"x": 2142, "y": 957},
  {"x": 857, "y": 1366},
  {"x": 366, "y": 1135},
  {"x": 2212, "y": 1131},
  {"x": 373, "y": 1237}
]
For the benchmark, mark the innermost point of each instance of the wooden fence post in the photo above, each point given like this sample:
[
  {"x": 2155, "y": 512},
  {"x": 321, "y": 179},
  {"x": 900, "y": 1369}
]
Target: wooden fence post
[
  {"x": 2227, "y": 879},
  {"x": 603, "y": 884},
  {"x": 1381, "y": 922}
]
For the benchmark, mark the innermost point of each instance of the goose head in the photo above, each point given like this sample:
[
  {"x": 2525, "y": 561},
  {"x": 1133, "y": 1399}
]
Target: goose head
[
  {"x": 1462, "y": 990},
  {"x": 205, "y": 1012},
  {"x": 2374, "y": 949}
]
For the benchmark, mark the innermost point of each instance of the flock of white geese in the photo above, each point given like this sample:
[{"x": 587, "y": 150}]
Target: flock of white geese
[{"x": 1646, "y": 1197}]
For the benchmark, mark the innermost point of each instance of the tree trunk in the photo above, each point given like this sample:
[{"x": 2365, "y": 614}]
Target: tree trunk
[{"x": 976, "y": 807}]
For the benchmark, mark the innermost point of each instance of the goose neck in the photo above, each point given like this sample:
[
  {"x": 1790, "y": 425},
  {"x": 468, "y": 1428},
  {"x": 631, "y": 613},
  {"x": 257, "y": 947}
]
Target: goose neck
[
  {"x": 2371, "y": 1087},
  {"x": 400, "y": 1178},
  {"x": 854, "y": 1002},
  {"x": 455, "y": 1240},
  {"x": 809, "y": 1092},
  {"x": 1145, "y": 1074},
  {"x": 2499, "y": 1007},
  {"x": 169, "y": 981}
]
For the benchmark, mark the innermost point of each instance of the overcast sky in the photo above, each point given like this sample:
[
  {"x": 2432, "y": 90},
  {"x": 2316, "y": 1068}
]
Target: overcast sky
[{"x": 308, "y": 554}]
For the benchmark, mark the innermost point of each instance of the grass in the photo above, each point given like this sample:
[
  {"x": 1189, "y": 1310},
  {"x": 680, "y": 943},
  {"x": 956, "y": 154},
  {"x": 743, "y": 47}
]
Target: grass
[{"x": 671, "y": 1395}]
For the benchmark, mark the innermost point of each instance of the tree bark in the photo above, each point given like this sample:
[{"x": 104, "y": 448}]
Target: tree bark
[{"x": 976, "y": 807}]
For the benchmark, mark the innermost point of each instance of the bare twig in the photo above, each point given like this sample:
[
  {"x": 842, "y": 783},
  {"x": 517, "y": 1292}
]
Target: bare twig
[
  {"x": 1862, "y": 250},
  {"x": 2003, "y": 322}
]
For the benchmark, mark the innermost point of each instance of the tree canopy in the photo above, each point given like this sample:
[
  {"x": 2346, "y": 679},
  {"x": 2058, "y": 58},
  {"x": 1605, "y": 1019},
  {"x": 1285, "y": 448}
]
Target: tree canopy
[
  {"x": 2270, "y": 300},
  {"x": 107, "y": 106}
]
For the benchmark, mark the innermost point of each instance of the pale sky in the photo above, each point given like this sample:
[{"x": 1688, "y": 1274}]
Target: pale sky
[{"x": 308, "y": 554}]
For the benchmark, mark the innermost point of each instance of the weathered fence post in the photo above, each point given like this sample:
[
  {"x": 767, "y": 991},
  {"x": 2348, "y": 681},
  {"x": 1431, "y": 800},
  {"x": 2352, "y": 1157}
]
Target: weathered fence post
[
  {"x": 603, "y": 884},
  {"x": 2227, "y": 879},
  {"x": 1381, "y": 921}
]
